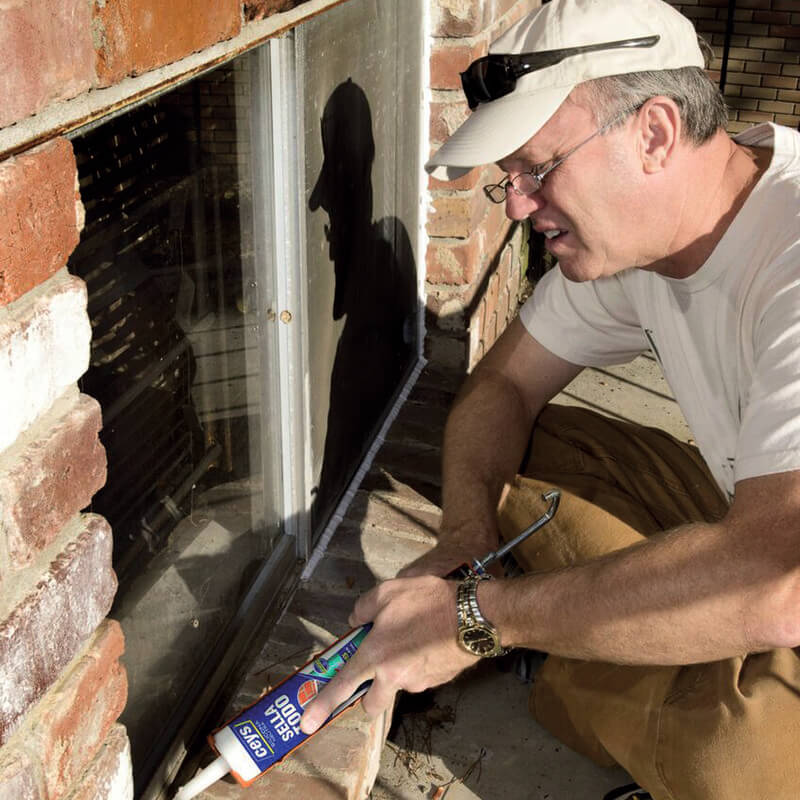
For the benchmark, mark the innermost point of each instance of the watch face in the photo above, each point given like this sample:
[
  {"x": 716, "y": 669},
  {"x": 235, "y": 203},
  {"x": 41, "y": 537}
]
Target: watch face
[{"x": 478, "y": 640}]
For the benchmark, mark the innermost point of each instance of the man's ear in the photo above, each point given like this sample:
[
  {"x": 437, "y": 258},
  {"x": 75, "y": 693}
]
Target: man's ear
[{"x": 659, "y": 130}]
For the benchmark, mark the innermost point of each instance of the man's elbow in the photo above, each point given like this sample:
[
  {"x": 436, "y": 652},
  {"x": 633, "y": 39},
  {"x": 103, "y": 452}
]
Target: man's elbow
[{"x": 775, "y": 616}]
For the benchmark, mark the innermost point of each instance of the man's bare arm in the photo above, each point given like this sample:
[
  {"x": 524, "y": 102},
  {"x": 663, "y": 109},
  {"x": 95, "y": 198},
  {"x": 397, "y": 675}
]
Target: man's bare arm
[
  {"x": 485, "y": 439},
  {"x": 698, "y": 593},
  {"x": 695, "y": 594}
]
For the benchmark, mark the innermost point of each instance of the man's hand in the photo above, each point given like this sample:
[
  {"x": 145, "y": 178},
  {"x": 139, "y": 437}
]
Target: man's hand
[
  {"x": 412, "y": 646},
  {"x": 455, "y": 547},
  {"x": 440, "y": 561}
]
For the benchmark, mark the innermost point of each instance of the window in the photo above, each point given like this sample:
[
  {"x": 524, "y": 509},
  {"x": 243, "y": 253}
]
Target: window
[{"x": 249, "y": 253}]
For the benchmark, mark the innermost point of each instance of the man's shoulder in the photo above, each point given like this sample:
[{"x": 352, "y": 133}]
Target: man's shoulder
[{"x": 782, "y": 141}]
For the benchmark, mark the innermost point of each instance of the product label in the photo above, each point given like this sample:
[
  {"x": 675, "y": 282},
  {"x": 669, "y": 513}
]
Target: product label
[{"x": 270, "y": 729}]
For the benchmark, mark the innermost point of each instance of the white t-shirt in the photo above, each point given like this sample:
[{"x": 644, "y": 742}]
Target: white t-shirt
[{"x": 727, "y": 337}]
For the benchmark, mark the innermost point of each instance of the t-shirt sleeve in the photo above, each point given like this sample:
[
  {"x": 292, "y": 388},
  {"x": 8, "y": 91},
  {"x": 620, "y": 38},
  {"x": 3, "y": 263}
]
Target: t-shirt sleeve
[
  {"x": 769, "y": 439},
  {"x": 591, "y": 324}
]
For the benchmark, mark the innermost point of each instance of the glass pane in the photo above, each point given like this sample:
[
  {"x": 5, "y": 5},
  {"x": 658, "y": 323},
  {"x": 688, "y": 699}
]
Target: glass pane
[
  {"x": 183, "y": 364},
  {"x": 361, "y": 67}
]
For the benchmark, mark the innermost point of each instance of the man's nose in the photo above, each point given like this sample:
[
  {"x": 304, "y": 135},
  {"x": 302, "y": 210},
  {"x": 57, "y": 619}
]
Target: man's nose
[{"x": 521, "y": 206}]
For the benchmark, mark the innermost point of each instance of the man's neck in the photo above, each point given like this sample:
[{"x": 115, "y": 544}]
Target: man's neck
[{"x": 725, "y": 174}]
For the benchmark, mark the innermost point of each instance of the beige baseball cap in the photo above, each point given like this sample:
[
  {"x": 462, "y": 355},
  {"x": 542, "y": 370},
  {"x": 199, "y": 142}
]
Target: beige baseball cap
[{"x": 497, "y": 128}]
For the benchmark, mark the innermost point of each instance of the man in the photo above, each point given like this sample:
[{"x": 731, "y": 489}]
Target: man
[{"x": 667, "y": 588}]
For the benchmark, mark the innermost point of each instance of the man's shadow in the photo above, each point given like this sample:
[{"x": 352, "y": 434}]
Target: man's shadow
[{"x": 375, "y": 292}]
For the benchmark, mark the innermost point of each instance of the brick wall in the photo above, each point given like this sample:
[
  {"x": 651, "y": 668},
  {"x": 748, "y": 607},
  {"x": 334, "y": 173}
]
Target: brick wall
[
  {"x": 763, "y": 76},
  {"x": 62, "y": 686},
  {"x": 476, "y": 257}
]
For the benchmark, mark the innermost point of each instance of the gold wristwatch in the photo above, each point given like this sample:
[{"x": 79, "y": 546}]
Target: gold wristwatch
[{"x": 475, "y": 633}]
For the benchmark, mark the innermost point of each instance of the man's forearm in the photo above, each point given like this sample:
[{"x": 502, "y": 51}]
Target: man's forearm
[
  {"x": 485, "y": 439},
  {"x": 698, "y": 593}
]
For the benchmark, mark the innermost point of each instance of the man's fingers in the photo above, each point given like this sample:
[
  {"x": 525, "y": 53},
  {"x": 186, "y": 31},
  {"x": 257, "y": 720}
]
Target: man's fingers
[
  {"x": 378, "y": 699},
  {"x": 367, "y": 606},
  {"x": 338, "y": 691}
]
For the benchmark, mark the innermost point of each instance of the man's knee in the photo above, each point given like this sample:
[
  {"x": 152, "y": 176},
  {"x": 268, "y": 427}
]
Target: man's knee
[{"x": 729, "y": 730}]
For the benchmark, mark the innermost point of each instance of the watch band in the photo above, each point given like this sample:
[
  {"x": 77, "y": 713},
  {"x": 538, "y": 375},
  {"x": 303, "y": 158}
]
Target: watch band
[{"x": 475, "y": 633}]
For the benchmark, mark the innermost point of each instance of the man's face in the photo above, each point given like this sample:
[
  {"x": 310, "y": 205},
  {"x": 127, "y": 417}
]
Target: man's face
[{"x": 587, "y": 205}]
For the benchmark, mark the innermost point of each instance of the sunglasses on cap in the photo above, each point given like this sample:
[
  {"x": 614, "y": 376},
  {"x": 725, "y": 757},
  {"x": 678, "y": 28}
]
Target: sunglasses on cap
[{"x": 496, "y": 75}]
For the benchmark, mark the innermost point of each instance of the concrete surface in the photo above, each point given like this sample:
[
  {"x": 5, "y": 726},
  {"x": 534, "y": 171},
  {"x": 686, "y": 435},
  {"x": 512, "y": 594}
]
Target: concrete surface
[{"x": 475, "y": 739}]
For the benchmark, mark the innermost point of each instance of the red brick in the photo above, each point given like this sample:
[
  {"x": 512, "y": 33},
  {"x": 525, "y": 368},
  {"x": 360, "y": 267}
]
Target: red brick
[
  {"x": 734, "y": 126},
  {"x": 490, "y": 331},
  {"x": 51, "y": 480},
  {"x": 448, "y": 61},
  {"x": 706, "y": 26},
  {"x": 503, "y": 308},
  {"x": 755, "y": 116},
  {"x": 47, "y": 55},
  {"x": 72, "y": 720},
  {"x": 736, "y": 41},
  {"x": 751, "y": 78},
  {"x": 775, "y": 106},
  {"x": 445, "y": 310},
  {"x": 41, "y": 216},
  {"x": 748, "y": 103},
  {"x": 759, "y": 92},
  {"x": 775, "y": 17},
  {"x": 764, "y": 67},
  {"x": 492, "y": 292},
  {"x": 735, "y": 65},
  {"x": 134, "y": 36},
  {"x": 780, "y": 82},
  {"x": 767, "y": 42},
  {"x": 454, "y": 263},
  {"x": 447, "y": 117},
  {"x": 505, "y": 265},
  {"x": 47, "y": 629},
  {"x": 699, "y": 12},
  {"x": 471, "y": 17},
  {"x": 750, "y": 28},
  {"x": 787, "y": 31},
  {"x": 260, "y": 9},
  {"x": 756, "y": 4},
  {"x": 465, "y": 18},
  {"x": 109, "y": 776},
  {"x": 746, "y": 53},
  {"x": 17, "y": 778},
  {"x": 495, "y": 226},
  {"x": 455, "y": 216}
]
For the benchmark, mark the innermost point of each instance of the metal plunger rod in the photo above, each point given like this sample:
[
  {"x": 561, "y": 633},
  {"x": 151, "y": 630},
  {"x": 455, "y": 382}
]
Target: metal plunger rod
[{"x": 554, "y": 496}]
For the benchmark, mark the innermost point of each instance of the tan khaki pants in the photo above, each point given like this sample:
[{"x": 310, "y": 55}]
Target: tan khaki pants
[{"x": 728, "y": 730}]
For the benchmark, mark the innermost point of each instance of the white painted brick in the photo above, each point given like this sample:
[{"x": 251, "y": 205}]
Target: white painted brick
[
  {"x": 44, "y": 348},
  {"x": 121, "y": 783}
]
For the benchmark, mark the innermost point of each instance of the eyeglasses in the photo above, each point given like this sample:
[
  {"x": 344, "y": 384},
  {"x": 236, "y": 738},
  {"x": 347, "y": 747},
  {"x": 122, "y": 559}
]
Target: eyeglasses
[
  {"x": 496, "y": 75},
  {"x": 528, "y": 183}
]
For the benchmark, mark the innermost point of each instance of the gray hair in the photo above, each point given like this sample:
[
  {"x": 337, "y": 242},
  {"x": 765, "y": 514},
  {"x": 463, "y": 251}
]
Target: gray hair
[{"x": 700, "y": 102}]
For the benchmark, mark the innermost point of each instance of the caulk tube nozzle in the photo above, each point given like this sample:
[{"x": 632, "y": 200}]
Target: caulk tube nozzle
[{"x": 211, "y": 774}]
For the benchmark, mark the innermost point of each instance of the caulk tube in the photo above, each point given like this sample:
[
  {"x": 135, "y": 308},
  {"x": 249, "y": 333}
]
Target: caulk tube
[{"x": 267, "y": 731}]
